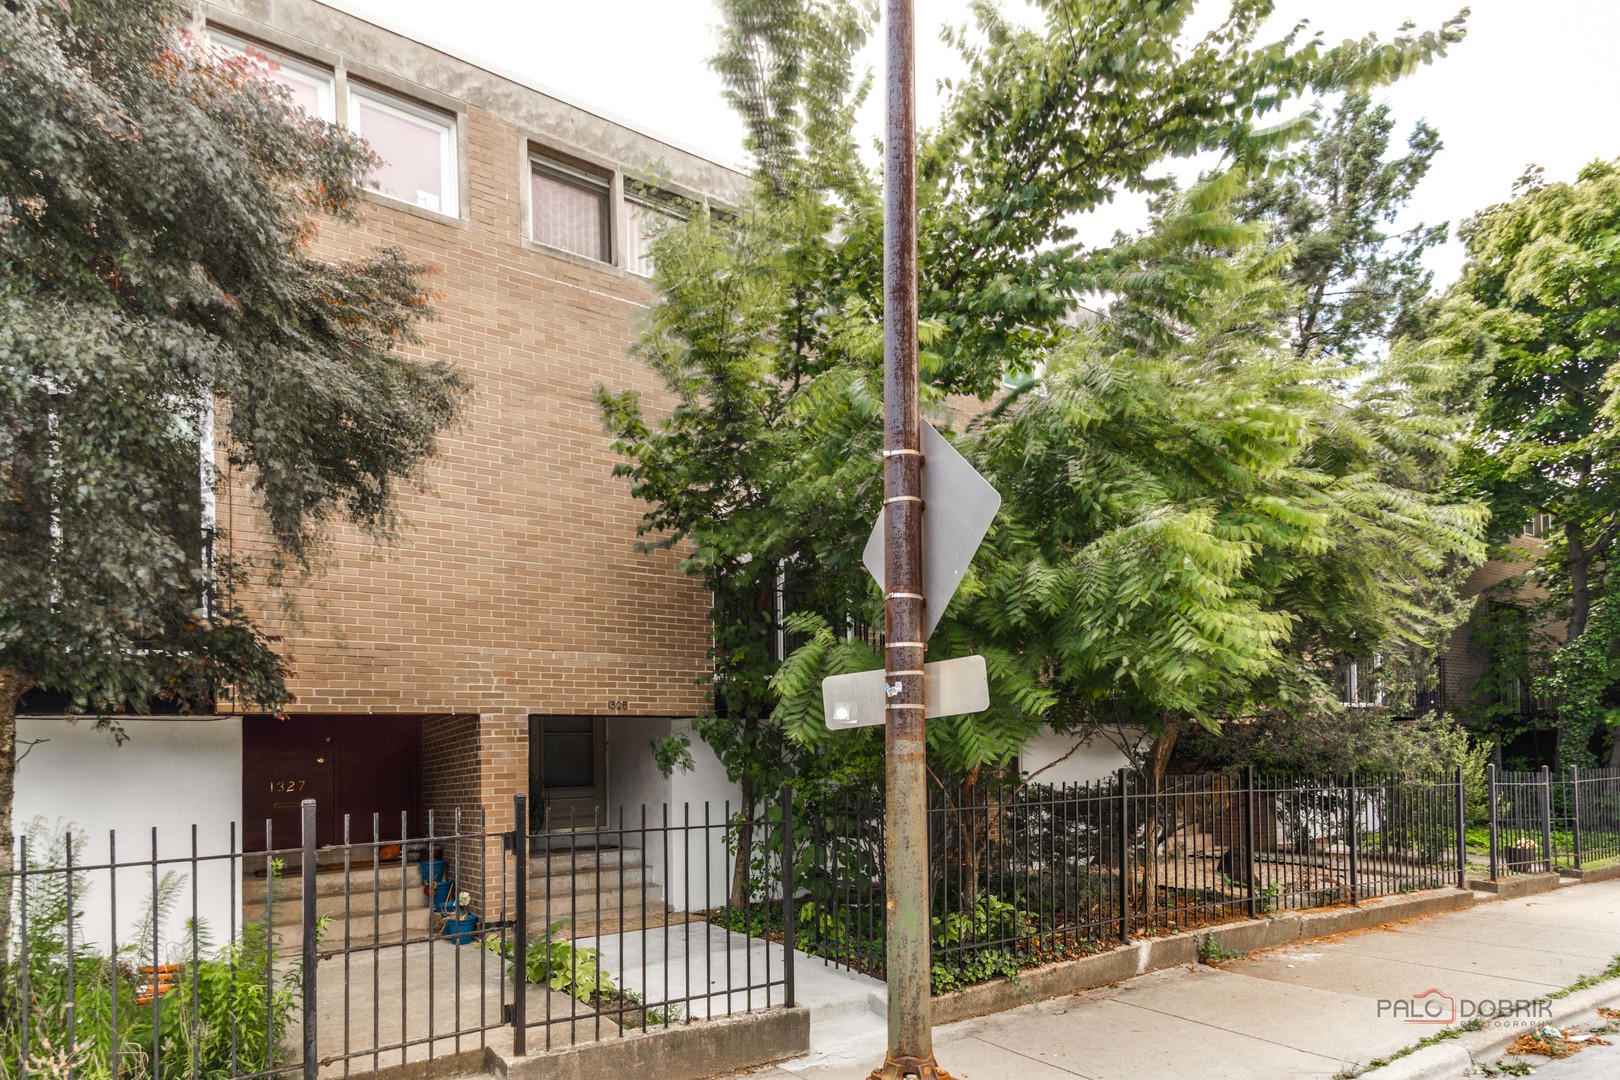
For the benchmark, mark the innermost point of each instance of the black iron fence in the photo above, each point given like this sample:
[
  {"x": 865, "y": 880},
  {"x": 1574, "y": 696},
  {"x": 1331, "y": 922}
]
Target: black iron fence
[
  {"x": 302, "y": 960},
  {"x": 1038, "y": 872},
  {"x": 1546, "y": 820}
]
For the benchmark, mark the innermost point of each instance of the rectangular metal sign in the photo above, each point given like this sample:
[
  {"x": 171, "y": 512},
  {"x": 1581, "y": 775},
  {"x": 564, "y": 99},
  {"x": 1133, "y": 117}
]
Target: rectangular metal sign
[{"x": 950, "y": 688}]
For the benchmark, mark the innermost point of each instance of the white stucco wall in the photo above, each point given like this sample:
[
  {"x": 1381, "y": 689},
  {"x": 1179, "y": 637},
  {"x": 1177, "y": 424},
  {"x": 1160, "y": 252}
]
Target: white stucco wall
[
  {"x": 696, "y": 871},
  {"x": 632, "y": 775},
  {"x": 170, "y": 775},
  {"x": 1095, "y": 760}
]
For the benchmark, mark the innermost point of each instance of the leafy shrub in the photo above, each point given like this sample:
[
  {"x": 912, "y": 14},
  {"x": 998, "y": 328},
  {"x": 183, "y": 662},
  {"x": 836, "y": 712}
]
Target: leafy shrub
[
  {"x": 560, "y": 964},
  {"x": 227, "y": 1011},
  {"x": 953, "y": 971},
  {"x": 990, "y": 918}
]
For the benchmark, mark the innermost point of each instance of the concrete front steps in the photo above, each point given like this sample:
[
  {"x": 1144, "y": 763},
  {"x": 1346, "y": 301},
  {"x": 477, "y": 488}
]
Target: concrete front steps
[
  {"x": 385, "y": 905},
  {"x": 594, "y": 890}
]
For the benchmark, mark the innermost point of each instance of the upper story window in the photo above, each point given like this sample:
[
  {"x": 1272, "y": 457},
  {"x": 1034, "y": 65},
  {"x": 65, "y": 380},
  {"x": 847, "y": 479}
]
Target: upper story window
[
  {"x": 417, "y": 147},
  {"x": 310, "y": 87},
  {"x": 568, "y": 209},
  {"x": 645, "y": 216}
]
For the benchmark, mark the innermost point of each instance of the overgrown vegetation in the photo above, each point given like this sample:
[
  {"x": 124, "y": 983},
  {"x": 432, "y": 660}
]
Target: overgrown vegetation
[
  {"x": 1536, "y": 303},
  {"x": 1302, "y": 518},
  {"x": 229, "y": 1012}
]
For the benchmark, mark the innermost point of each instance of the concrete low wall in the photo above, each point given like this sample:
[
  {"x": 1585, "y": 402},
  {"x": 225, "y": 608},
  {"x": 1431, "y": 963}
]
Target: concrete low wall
[
  {"x": 687, "y": 1052},
  {"x": 1518, "y": 885},
  {"x": 1154, "y": 954}
]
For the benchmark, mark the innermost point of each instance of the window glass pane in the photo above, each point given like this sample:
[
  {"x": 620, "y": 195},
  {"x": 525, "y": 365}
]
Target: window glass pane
[
  {"x": 569, "y": 725},
  {"x": 416, "y": 153},
  {"x": 309, "y": 87},
  {"x": 567, "y": 761},
  {"x": 641, "y": 223},
  {"x": 569, "y": 214}
]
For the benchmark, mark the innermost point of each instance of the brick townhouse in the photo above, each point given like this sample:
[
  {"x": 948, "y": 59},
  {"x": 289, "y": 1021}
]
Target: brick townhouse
[{"x": 513, "y": 640}]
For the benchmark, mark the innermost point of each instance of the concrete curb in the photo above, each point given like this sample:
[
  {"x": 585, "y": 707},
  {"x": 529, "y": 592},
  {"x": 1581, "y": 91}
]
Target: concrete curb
[
  {"x": 1456, "y": 1057},
  {"x": 1154, "y": 954},
  {"x": 1431, "y": 1063},
  {"x": 1602, "y": 873}
]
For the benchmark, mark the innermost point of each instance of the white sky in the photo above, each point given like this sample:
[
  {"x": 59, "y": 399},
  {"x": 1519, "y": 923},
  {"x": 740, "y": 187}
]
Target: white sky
[{"x": 1532, "y": 82}]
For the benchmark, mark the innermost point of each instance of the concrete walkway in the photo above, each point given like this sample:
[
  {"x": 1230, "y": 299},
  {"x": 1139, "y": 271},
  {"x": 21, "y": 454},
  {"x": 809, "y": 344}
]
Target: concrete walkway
[{"x": 1313, "y": 1010}]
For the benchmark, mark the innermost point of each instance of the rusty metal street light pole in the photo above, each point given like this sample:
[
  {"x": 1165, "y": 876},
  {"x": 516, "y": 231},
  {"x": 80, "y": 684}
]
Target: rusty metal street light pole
[{"x": 911, "y": 1046}]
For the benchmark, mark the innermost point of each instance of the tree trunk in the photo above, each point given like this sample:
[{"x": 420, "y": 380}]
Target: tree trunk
[
  {"x": 1164, "y": 744},
  {"x": 12, "y": 685},
  {"x": 1580, "y": 592},
  {"x": 974, "y": 835},
  {"x": 1614, "y": 751},
  {"x": 745, "y": 847}
]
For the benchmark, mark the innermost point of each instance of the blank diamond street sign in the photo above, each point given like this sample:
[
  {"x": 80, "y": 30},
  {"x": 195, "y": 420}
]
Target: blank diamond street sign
[{"x": 958, "y": 506}]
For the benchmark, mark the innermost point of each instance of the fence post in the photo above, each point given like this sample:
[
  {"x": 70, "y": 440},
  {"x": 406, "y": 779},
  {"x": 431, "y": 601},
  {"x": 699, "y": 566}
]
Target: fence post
[
  {"x": 1248, "y": 840},
  {"x": 1575, "y": 811},
  {"x": 1124, "y": 857},
  {"x": 1546, "y": 819},
  {"x": 1355, "y": 883},
  {"x": 520, "y": 925},
  {"x": 1490, "y": 773},
  {"x": 310, "y": 942},
  {"x": 1462, "y": 830},
  {"x": 789, "y": 909}
]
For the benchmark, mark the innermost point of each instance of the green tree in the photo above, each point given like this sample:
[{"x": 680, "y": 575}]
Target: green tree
[
  {"x": 1540, "y": 291},
  {"x": 769, "y": 335},
  {"x": 156, "y": 216},
  {"x": 1332, "y": 203}
]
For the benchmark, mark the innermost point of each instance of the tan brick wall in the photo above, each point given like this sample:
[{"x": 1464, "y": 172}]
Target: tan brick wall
[{"x": 514, "y": 586}]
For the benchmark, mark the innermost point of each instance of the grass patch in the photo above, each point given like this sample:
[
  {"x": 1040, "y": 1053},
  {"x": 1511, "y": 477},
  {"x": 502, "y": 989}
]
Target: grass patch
[{"x": 1212, "y": 952}]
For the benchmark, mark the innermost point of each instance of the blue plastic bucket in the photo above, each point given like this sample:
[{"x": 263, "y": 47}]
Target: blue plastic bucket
[
  {"x": 460, "y": 929},
  {"x": 441, "y": 895}
]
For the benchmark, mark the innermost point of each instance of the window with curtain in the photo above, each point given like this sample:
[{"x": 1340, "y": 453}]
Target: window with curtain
[
  {"x": 643, "y": 220},
  {"x": 569, "y": 210}
]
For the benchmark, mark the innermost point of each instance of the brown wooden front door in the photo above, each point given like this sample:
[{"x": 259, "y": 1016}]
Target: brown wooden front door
[{"x": 358, "y": 766}]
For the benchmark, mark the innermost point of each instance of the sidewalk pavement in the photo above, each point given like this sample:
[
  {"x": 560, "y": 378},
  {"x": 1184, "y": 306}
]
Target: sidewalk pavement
[{"x": 1316, "y": 1009}]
